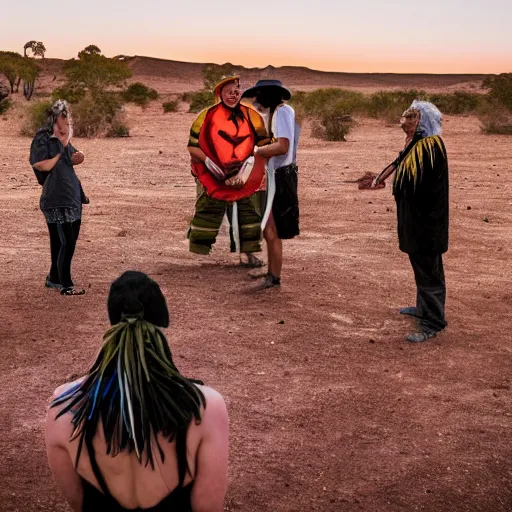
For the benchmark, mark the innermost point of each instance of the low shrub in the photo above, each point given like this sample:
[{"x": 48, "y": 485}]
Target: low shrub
[
  {"x": 323, "y": 101},
  {"x": 390, "y": 105},
  {"x": 36, "y": 117},
  {"x": 198, "y": 100},
  {"x": 500, "y": 88},
  {"x": 496, "y": 119},
  {"x": 97, "y": 115},
  {"x": 70, "y": 94},
  {"x": 139, "y": 94},
  {"x": 119, "y": 127},
  {"x": 337, "y": 126},
  {"x": 5, "y": 105},
  {"x": 170, "y": 106},
  {"x": 458, "y": 103}
]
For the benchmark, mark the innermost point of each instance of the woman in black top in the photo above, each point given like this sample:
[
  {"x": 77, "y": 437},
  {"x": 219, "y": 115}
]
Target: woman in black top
[
  {"x": 133, "y": 433},
  {"x": 52, "y": 158}
]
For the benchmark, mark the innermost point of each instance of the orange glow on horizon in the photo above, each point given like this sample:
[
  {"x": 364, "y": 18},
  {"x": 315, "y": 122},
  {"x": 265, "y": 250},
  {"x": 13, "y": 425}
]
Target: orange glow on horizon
[{"x": 316, "y": 59}]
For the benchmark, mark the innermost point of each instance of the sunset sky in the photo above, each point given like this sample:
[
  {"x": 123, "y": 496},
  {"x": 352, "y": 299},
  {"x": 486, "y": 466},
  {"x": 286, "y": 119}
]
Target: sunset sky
[{"x": 435, "y": 36}]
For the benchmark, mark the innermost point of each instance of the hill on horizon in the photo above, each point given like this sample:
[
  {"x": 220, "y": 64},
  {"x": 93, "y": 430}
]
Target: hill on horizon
[{"x": 170, "y": 76}]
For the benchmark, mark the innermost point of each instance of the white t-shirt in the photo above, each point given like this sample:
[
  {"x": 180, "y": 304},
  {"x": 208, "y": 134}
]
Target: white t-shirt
[{"x": 284, "y": 126}]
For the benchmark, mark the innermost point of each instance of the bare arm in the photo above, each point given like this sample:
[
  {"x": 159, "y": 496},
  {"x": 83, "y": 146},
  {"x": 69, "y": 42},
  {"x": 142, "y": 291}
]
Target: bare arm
[
  {"x": 47, "y": 165},
  {"x": 61, "y": 465},
  {"x": 211, "y": 481},
  {"x": 384, "y": 174},
  {"x": 275, "y": 149},
  {"x": 197, "y": 154}
]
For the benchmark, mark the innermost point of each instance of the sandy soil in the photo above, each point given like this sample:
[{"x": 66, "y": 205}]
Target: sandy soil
[{"x": 330, "y": 408}]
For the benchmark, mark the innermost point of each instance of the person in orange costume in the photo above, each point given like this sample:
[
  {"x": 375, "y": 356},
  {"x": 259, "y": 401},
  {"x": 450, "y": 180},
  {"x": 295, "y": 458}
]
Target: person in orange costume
[{"x": 221, "y": 146}]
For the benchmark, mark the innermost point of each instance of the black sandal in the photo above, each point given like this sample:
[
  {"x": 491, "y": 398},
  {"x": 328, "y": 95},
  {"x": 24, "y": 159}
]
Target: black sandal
[
  {"x": 71, "y": 290},
  {"x": 271, "y": 281}
]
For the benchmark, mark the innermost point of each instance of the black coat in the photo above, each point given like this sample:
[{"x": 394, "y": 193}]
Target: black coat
[{"x": 420, "y": 188}]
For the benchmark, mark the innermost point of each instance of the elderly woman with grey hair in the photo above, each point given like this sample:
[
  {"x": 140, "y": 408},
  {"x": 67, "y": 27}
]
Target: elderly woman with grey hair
[
  {"x": 420, "y": 188},
  {"x": 52, "y": 157}
]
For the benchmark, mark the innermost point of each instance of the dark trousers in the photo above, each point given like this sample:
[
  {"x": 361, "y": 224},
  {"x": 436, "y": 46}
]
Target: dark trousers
[
  {"x": 431, "y": 289},
  {"x": 285, "y": 207},
  {"x": 63, "y": 239}
]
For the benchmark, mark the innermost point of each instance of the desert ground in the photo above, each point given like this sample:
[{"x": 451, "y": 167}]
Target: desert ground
[{"x": 330, "y": 408}]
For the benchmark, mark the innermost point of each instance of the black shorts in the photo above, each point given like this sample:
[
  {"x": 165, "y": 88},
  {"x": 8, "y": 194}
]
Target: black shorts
[{"x": 285, "y": 207}]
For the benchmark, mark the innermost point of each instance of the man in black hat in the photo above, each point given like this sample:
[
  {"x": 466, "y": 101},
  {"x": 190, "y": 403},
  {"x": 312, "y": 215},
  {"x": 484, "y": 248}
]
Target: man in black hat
[{"x": 281, "y": 215}]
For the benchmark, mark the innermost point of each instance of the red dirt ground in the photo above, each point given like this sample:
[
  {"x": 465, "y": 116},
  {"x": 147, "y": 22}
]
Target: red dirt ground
[{"x": 330, "y": 409}]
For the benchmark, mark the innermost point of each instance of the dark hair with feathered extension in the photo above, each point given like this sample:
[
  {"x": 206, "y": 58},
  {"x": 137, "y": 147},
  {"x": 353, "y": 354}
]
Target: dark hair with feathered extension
[{"x": 133, "y": 387}]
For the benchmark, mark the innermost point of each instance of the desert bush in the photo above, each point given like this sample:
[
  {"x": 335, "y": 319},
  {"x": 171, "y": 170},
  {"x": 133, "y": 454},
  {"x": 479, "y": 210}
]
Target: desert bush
[
  {"x": 500, "y": 88},
  {"x": 337, "y": 123},
  {"x": 495, "y": 118},
  {"x": 198, "y": 100},
  {"x": 332, "y": 128},
  {"x": 317, "y": 130},
  {"x": 139, "y": 94},
  {"x": 95, "y": 72},
  {"x": 330, "y": 111},
  {"x": 97, "y": 115},
  {"x": 389, "y": 105},
  {"x": 70, "y": 94},
  {"x": 324, "y": 101},
  {"x": 36, "y": 117},
  {"x": 119, "y": 127},
  {"x": 170, "y": 106},
  {"x": 458, "y": 103},
  {"x": 5, "y": 105}
]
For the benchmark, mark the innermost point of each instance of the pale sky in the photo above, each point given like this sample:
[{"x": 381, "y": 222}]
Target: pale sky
[{"x": 434, "y": 36}]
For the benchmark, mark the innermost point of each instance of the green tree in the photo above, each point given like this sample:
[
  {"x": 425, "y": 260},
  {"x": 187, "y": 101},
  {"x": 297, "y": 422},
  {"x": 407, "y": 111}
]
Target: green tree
[
  {"x": 28, "y": 72},
  {"x": 92, "y": 49},
  {"x": 10, "y": 67},
  {"x": 95, "y": 72},
  {"x": 37, "y": 47}
]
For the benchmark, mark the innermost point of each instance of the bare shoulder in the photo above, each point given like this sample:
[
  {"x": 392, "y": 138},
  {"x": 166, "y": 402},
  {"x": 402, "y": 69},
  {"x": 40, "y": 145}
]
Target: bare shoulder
[
  {"x": 211, "y": 395},
  {"x": 66, "y": 387},
  {"x": 58, "y": 430},
  {"x": 215, "y": 404}
]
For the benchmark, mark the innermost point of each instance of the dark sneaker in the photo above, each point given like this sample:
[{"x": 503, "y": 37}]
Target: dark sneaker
[
  {"x": 410, "y": 311},
  {"x": 419, "y": 337}
]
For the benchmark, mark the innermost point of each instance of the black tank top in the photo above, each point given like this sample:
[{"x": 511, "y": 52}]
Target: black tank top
[
  {"x": 96, "y": 501},
  {"x": 177, "y": 501}
]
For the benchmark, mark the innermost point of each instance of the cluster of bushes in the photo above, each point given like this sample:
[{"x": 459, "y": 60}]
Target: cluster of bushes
[
  {"x": 94, "y": 89},
  {"x": 332, "y": 110}
]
